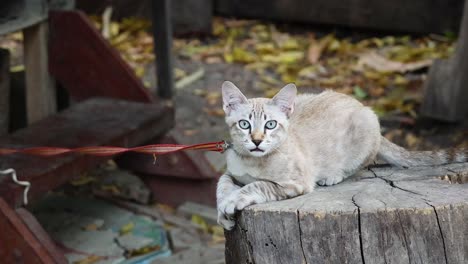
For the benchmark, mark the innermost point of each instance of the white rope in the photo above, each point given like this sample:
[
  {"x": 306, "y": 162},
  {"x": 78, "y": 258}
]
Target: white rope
[{"x": 22, "y": 183}]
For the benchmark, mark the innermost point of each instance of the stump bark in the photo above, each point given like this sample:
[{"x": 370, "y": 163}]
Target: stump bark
[{"x": 381, "y": 215}]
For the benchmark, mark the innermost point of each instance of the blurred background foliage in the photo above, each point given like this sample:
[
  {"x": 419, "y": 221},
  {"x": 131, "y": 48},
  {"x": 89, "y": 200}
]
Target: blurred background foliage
[{"x": 385, "y": 72}]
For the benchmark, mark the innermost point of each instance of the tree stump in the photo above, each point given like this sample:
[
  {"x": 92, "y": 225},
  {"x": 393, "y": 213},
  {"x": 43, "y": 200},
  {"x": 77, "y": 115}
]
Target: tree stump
[{"x": 381, "y": 215}]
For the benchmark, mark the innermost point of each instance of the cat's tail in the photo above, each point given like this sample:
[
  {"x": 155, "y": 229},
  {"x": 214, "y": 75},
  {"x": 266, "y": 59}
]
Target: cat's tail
[{"x": 402, "y": 157}]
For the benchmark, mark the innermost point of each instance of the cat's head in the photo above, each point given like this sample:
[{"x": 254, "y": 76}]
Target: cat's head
[{"x": 258, "y": 125}]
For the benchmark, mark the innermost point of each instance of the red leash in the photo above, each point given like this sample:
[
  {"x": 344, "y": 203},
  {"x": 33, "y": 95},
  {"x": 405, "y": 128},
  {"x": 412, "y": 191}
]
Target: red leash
[
  {"x": 155, "y": 150},
  {"x": 159, "y": 149}
]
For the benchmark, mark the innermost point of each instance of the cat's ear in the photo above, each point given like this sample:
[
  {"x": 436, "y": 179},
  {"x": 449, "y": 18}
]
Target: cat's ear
[
  {"x": 285, "y": 98},
  {"x": 232, "y": 97}
]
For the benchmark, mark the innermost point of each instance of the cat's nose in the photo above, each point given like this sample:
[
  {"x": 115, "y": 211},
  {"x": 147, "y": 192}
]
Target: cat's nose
[{"x": 256, "y": 142}]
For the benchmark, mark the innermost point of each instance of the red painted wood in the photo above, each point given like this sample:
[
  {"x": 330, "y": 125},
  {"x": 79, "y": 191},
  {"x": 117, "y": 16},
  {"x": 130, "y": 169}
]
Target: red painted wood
[
  {"x": 86, "y": 64},
  {"x": 17, "y": 243},
  {"x": 92, "y": 123},
  {"x": 41, "y": 235}
]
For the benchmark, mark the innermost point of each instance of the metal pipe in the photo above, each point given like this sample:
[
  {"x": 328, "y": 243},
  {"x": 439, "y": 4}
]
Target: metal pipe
[{"x": 162, "y": 39}]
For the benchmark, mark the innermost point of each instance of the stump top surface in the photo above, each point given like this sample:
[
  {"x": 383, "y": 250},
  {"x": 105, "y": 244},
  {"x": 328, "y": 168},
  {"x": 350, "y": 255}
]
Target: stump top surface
[
  {"x": 382, "y": 215},
  {"x": 383, "y": 188}
]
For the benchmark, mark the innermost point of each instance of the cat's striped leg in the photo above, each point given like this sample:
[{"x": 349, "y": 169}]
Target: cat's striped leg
[
  {"x": 258, "y": 192},
  {"x": 224, "y": 188}
]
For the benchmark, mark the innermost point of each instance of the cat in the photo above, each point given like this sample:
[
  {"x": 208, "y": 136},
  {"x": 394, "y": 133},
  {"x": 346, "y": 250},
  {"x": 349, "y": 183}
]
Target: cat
[{"x": 283, "y": 147}]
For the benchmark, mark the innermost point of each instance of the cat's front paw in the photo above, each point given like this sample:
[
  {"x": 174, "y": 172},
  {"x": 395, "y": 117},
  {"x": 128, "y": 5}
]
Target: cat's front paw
[
  {"x": 237, "y": 201},
  {"x": 227, "y": 207},
  {"x": 225, "y": 222},
  {"x": 226, "y": 210},
  {"x": 330, "y": 181}
]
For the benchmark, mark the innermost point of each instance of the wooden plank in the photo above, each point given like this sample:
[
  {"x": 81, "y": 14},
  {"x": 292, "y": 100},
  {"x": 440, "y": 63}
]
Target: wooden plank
[
  {"x": 40, "y": 87},
  {"x": 85, "y": 64},
  {"x": 445, "y": 90},
  {"x": 418, "y": 16},
  {"x": 415, "y": 217},
  {"x": 4, "y": 91},
  {"x": 17, "y": 243},
  {"x": 20, "y": 14},
  {"x": 94, "y": 122}
]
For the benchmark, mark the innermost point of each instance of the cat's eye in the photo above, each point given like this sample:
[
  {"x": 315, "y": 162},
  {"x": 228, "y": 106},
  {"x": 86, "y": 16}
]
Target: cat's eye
[
  {"x": 244, "y": 124},
  {"x": 270, "y": 124}
]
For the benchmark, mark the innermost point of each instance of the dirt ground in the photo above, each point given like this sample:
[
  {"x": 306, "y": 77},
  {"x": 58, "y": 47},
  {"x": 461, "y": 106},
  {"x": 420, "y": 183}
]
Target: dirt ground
[
  {"x": 394, "y": 95},
  {"x": 203, "y": 120}
]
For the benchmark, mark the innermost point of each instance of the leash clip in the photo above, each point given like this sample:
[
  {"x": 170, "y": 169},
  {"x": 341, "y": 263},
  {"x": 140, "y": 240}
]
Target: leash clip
[{"x": 224, "y": 146}]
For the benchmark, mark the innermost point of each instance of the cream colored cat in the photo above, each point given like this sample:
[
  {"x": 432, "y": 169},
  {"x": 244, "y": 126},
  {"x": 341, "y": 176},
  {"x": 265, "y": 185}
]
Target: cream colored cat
[{"x": 282, "y": 147}]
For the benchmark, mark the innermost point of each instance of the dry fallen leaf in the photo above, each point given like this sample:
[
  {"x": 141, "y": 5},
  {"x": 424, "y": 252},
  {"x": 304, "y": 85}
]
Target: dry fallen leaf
[
  {"x": 199, "y": 92},
  {"x": 412, "y": 140},
  {"x": 214, "y": 112},
  {"x": 198, "y": 220},
  {"x": 179, "y": 73},
  {"x": 189, "y": 79},
  {"x": 242, "y": 56},
  {"x": 376, "y": 91},
  {"x": 265, "y": 48},
  {"x": 380, "y": 63},
  {"x": 213, "y": 59},
  {"x": 213, "y": 97},
  {"x": 83, "y": 180},
  {"x": 111, "y": 189},
  {"x": 315, "y": 49},
  {"x": 314, "y": 52},
  {"x": 286, "y": 57},
  {"x": 91, "y": 227},
  {"x": 190, "y": 132},
  {"x": 127, "y": 228}
]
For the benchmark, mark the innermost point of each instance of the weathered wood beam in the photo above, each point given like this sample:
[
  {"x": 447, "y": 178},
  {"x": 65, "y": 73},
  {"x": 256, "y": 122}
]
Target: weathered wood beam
[
  {"x": 446, "y": 89},
  {"x": 383, "y": 215},
  {"x": 41, "y": 235},
  {"x": 18, "y": 244},
  {"x": 19, "y": 14},
  {"x": 40, "y": 87},
  {"x": 418, "y": 16}
]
